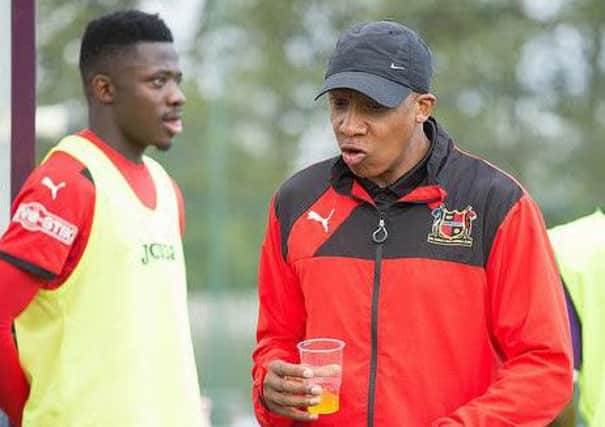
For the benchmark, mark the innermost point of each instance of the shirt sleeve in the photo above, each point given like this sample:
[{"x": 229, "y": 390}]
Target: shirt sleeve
[
  {"x": 17, "y": 289},
  {"x": 529, "y": 328},
  {"x": 281, "y": 319},
  {"x": 48, "y": 216}
]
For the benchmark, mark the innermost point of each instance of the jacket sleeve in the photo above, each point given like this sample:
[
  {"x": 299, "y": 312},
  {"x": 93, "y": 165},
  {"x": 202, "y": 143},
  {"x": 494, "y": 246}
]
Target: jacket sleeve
[
  {"x": 281, "y": 318},
  {"x": 529, "y": 329}
]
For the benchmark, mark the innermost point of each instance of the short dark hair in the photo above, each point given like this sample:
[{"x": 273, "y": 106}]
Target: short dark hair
[{"x": 115, "y": 31}]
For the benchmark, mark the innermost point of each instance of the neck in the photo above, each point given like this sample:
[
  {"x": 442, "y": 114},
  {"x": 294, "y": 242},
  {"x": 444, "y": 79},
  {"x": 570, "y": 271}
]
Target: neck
[{"x": 107, "y": 130}]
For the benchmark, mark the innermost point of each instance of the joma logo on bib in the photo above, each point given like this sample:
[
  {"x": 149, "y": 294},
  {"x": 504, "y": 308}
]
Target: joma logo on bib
[{"x": 157, "y": 252}]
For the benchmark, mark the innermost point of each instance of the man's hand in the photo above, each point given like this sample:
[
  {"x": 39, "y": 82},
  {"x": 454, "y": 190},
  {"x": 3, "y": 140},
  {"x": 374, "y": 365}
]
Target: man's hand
[{"x": 285, "y": 390}]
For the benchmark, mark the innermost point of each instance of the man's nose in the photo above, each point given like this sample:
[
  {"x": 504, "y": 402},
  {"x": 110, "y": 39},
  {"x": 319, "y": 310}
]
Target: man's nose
[
  {"x": 352, "y": 122},
  {"x": 176, "y": 96}
]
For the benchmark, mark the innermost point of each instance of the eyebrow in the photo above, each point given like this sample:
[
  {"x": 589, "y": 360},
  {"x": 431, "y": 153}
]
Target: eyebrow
[{"x": 167, "y": 72}]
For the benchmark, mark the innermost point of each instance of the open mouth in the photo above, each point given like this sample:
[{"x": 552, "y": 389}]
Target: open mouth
[
  {"x": 353, "y": 156},
  {"x": 174, "y": 125}
]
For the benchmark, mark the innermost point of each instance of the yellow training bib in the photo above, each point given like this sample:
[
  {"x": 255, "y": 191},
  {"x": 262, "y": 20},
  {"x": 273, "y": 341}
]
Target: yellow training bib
[{"x": 112, "y": 345}]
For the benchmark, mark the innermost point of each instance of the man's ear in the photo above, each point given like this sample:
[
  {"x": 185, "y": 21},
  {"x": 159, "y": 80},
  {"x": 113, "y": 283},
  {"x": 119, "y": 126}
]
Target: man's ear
[
  {"x": 425, "y": 103},
  {"x": 102, "y": 88}
]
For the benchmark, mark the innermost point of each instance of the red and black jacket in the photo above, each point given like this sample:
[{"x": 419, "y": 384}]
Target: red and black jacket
[{"x": 448, "y": 299}]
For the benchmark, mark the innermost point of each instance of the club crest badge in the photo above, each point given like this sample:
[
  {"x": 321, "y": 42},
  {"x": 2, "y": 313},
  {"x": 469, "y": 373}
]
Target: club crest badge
[{"x": 452, "y": 227}]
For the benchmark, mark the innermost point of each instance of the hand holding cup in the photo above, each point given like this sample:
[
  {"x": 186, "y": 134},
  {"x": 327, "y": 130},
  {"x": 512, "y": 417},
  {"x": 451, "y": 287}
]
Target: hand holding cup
[
  {"x": 285, "y": 390},
  {"x": 324, "y": 357}
]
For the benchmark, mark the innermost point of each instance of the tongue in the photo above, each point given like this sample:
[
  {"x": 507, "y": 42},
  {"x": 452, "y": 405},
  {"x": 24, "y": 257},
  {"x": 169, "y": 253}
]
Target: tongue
[{"x": 353, "y": 158}]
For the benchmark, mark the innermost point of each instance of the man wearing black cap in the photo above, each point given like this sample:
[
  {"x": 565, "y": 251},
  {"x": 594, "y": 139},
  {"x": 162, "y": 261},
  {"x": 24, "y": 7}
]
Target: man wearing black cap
[{"x": 432, "y": 265}]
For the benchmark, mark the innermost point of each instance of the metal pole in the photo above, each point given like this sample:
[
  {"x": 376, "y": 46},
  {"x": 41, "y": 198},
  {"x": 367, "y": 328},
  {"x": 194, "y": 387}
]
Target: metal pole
[{"x": 23, "y": 92}]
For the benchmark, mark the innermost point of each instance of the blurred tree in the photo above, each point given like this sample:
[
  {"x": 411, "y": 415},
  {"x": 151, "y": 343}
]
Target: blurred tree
[{"x": 519, "y": 84}]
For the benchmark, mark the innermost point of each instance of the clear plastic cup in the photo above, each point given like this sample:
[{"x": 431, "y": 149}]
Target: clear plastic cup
[{"x": 324, "y": 357}]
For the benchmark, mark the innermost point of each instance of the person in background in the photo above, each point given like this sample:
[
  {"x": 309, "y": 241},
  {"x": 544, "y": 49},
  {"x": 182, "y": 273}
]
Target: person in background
[
  {"x": 580, "y": 252},
  {"x": 432, "y": 265},
  {"x": 92, "y": 271}
]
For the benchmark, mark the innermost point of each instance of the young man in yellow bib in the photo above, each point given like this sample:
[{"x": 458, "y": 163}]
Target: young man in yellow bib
[
  {"x": 580, "y": 250},
  {"x": 91, "y": 265}
]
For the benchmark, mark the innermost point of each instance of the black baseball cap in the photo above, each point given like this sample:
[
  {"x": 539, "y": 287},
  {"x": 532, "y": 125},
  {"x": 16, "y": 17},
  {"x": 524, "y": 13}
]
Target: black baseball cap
[{"x": 384, "y": 60}]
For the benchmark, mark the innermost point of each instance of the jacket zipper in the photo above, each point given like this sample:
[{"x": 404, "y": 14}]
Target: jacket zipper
[{"x": 379, "y": 236}]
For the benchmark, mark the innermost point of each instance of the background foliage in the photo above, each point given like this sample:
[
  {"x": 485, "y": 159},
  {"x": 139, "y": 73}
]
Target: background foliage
[{"x": 520, "y": 83}]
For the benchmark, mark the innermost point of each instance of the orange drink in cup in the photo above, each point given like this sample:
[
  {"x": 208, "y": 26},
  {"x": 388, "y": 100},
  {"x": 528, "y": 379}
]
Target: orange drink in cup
[{"x": 324, "y": 357}]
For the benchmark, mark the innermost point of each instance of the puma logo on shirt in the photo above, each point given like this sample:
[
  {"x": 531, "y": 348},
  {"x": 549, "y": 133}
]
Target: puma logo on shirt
[
  {"x": 314, "y": 216},
  {"x": 54, "y": 189}
]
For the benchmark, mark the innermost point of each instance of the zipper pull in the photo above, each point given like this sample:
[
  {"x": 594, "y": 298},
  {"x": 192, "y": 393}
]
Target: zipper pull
[{"x": 381, "y": 233}]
